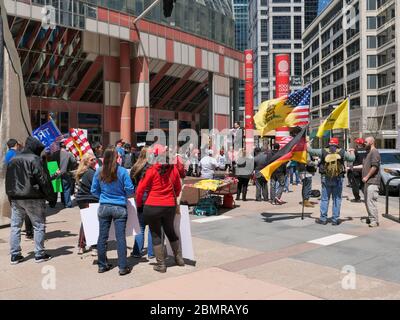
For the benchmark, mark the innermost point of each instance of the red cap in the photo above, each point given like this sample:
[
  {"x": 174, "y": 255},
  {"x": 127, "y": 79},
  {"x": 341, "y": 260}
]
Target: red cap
[
  {"x": 359, "y": 141},
  {"x": 334, "y": 142}
]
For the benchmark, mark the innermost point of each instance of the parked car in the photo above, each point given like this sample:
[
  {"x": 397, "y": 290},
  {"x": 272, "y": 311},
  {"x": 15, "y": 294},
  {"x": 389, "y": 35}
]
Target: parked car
[{"x": 390, "y": 168}]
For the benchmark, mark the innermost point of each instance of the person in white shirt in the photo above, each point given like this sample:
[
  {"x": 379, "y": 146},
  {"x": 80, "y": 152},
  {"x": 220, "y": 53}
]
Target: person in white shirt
[
  {"x": 208, "y": 164},
  {"x": 221, "y": 160}
]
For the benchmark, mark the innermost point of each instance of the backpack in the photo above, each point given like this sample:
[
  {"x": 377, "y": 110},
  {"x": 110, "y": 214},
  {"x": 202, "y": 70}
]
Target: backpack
[{"x": 332, "y": 164}]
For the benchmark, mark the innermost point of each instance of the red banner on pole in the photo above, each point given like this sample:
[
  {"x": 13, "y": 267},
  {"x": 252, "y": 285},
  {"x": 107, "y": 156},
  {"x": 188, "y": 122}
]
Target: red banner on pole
[
  {"x": 282, "y": 68},
  {"x": 282, "y": 76},
  {"x": 248, "y": 98}
]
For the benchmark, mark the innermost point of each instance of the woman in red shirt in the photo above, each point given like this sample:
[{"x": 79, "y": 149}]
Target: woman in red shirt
[{"x": 163, "y": 184}]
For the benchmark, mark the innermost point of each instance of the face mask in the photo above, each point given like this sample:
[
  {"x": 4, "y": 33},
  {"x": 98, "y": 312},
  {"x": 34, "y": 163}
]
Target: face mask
[{"x": 368, "y": 147}]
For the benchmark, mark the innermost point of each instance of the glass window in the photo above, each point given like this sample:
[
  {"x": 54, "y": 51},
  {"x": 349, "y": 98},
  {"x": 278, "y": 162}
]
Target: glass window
[
  {"x": 371, "y": 42},
  {"x": 281, "y": 9},
  {"x": 281, "y": 28},
  {"x": 371, "y": 23},
  {"x": 264, "y": 66},
  {"x": 372, "y": 101},
  {"x": 371, "y": 61},
  {"x": 372, "y": 81},
  {"x": 371, "y": 4},
  {"x": 297, "y": 27},
  {"x": 92, "y": 123},
  {"x": 264, "y": 30},
  {"x": 298, "y": 64}
]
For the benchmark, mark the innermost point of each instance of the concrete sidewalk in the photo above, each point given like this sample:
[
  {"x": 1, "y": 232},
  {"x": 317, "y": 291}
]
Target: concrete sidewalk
[{"x": 259, "y": 252}]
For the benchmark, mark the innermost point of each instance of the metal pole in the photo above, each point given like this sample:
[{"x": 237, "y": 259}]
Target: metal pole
[
  {"x": 302, "y": 209},
  {"x": 145, "y": 12},
  {"x": 384, "y": 113}
]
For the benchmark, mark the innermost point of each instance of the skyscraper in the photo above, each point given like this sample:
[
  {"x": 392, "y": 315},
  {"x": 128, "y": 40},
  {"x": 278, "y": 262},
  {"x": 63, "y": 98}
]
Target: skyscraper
[
  {"x": 310, "y": 11},
  {"x": 241, "y": 14},
  {"x": 275, "y": 27},
  {"x": 357, "y": 58}
]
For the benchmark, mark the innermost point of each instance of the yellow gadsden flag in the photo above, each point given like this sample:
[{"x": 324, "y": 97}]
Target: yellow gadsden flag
[
  {"x": 260, "y": 118},
  {"x": 338, "y": 119},
  {"x": 289, "y": 111}
]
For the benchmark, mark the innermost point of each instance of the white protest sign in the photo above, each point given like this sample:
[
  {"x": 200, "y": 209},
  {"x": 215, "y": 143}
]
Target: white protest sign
[
  {"x": 91, "y": 228},
  {"x": 183, "y": 231}
]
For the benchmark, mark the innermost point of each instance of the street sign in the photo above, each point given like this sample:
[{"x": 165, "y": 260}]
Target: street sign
[{"x": 296, "y": 81}]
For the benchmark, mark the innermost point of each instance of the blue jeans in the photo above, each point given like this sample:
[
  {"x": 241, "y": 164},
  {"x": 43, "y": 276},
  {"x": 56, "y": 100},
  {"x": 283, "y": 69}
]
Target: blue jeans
[
  {"x": 331, "y": 187},
  {"x": 108, "y": 213},
  {"x": 306, "y": 190},
  {"x": 36, "y": 210},
  {"x": 67, "y": 190},
  {"x": 293, "y": 170},
  {"x": 277, "y": 184},
  {"x": 139, "y": 239},
  {"x": 286, "y": 189}
]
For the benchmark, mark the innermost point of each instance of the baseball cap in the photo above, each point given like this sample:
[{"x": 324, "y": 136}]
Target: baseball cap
[
  {"x": 334, "y": 142},
  {"x": 11, "y": 143},
  {"x": 359, "y": 141}
]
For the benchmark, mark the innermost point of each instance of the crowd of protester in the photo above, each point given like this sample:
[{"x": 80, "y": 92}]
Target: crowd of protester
[{"x": 154, "y": 175}]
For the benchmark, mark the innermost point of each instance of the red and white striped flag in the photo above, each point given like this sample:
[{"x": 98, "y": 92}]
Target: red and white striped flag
[
  {"x": 81, "y": 140},
  {"x": 70, "y": 146}
]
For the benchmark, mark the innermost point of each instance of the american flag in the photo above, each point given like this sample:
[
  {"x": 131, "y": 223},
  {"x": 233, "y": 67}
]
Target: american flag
[
  {"x": 81, "y": 140},
  {"x": 300, "y": 102}
]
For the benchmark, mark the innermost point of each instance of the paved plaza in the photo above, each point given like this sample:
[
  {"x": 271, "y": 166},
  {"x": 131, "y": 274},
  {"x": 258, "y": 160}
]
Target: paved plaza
[{"x": 255, "y": 251}]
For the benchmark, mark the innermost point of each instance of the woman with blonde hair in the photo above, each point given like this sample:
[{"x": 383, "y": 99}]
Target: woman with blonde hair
[
  {"x": 84, "y": 177},
  {"x": 137, "y": 173}
]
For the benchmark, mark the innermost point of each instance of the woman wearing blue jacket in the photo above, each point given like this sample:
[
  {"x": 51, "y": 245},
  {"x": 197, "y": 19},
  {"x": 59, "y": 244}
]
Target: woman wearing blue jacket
[{"x": 113, "y": 186}]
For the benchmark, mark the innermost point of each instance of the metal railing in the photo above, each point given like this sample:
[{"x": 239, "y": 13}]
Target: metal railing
[{"x": 387, "y": 215}]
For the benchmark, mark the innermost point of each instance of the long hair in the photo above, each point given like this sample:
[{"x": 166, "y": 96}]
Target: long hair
[
  {"x": 83, "y": 166},
  {"x": 140, "y": 163},
  {"x": 109, "y": 169}
]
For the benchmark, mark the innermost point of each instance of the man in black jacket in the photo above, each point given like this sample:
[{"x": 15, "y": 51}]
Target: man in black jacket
[
  {"x": 28, "y": 186},
  {"x": 354, "y": 175},
  {"x": 277, "y": 182},
  {"x": 260, "y": 162}
]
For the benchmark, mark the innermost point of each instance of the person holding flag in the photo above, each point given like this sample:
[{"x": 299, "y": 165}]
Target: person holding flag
[
  {"x": 338, "y": 119},
  {"x": 332, "y": 170},
  {"x": 295, "y": 149}
]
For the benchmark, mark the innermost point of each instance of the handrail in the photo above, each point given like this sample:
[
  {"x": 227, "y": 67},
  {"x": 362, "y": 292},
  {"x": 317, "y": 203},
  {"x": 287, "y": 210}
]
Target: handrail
[{"x": 387, "y": 198}]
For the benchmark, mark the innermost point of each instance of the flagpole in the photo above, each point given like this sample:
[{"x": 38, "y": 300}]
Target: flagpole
[{"x": 346, "y": 131}]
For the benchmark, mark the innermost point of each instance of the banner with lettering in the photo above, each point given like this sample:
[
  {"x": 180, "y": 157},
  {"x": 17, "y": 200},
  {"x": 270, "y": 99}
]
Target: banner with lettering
[{"x": 47, "y": 133}]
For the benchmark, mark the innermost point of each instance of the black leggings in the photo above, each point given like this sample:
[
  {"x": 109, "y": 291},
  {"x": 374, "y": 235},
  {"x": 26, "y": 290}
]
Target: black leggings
[{"x": 157, "y": 217}]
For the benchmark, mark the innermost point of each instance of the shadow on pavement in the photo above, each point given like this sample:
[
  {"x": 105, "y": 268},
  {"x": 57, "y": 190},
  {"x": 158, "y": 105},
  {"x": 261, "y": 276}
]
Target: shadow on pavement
[
  {"x": 63, "y": 251},
  {"x": 272, "y": 217},
  {"x": 59, "y": 234}
]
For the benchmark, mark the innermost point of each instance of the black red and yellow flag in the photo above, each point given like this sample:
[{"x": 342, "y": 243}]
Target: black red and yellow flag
[{"x": 296, "y": 150}]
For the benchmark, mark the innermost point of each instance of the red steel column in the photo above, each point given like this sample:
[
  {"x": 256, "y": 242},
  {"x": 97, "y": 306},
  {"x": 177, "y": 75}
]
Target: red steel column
[
  {"x": 125, "y": 91},
  {"x": 249, "y": 99},
  {"x": 282, "y": 68}
]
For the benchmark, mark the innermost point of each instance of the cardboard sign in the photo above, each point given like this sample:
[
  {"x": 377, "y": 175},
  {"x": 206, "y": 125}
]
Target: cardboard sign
[
  {"x": 183, "y": 231},
  {"x": 91, "y": 225}
]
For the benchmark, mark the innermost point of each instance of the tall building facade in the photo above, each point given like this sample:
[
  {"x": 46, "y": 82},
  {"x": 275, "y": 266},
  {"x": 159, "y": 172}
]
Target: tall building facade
[
  {"x": 241, "y": 14},
  {"x": 322, "y": 4},
  {"x": 275, "y": 27},
  {"x": 310, "y": 11},
  {"x": 356, "y": 55},
  {"x": 94, "y": 69}
]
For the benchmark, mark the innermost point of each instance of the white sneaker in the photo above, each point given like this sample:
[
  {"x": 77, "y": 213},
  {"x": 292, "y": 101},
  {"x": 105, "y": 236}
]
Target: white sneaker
[{"x": 374, "y": 224}]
